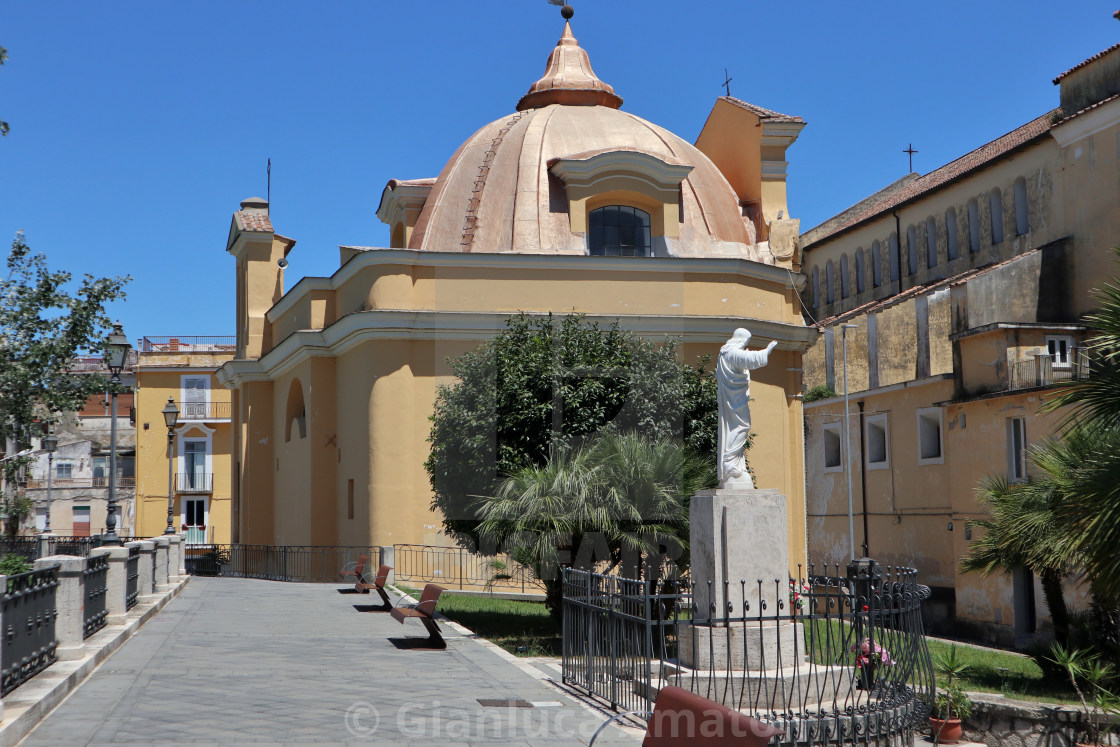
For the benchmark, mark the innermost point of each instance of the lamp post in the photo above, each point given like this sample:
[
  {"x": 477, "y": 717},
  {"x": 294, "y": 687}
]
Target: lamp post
[
  {"x": 848, "y": 444},
  {"x": 50, "y": 445},
  {"x": 170, "y": 417},
  {"x": 116, "y": 354}
]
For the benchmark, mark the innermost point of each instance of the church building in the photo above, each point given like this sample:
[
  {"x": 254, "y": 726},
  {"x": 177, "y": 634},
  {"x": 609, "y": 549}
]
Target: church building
[{"x": 566, "y": 204}]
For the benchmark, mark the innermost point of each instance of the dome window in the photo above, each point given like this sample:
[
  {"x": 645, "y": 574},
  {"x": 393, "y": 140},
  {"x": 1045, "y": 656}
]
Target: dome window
[{"x": 619, "y": 231}]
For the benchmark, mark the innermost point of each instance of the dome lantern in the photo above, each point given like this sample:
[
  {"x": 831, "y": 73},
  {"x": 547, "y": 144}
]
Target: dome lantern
[{"x": 568, "y": 79}]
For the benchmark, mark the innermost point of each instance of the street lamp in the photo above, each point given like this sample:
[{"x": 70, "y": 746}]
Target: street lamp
[
  {"x": 170, "y": 416},
  {"x": 116, "y": 354},
  {"x": 50, "y": 445},
  {"x": 848, "y": 444}
]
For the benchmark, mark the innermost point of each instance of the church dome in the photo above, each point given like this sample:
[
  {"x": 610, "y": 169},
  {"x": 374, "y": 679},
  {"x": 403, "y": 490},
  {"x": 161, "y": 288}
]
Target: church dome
[{"x": 529, "y": 181}]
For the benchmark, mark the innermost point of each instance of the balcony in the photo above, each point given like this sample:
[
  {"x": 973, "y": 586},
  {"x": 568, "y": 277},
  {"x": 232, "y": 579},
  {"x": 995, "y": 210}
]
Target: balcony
[
  {"x": 204, "y": 411},
  {"x": 194, "y": 482},
  {"x": 1042, "y": 370},
  {"x": 184, "y": 344},
  {"x": 62, "y": 483}
]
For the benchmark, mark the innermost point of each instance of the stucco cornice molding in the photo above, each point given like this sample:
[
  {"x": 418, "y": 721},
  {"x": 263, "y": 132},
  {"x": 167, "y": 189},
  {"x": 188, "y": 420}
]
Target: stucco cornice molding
[
  {"x": 585, "y": 172},
  {"x": 365, "y": 326},
  {"x": 680, "y": 266},
  {"x": 1089, "y": 123}
]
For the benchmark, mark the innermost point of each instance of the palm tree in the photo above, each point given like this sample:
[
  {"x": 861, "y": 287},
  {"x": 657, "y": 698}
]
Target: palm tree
[
  {"x": 617, "y": 499},
  {"x": 1023, "y": 531}
]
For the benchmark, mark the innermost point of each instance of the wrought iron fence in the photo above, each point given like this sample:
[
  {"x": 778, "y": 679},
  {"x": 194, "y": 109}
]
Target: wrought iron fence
[
  {"x": 205, "y": 410},
  {"x": 1043, "y": 370},
  {"x": 319, "y": 564},
  {"x": 188, "y": 344},
  {"x": 26, "y": 547},
  {"x": 194, "y": 482},
  {"x": 458, "y": 567},
  {"x": 843, "y": 660},
  {"x": 94, "y": 614},
  {"x": 132, "y": 577},
  {"x": 29, "y": 613},
  {"x": 80, "y": 546}
]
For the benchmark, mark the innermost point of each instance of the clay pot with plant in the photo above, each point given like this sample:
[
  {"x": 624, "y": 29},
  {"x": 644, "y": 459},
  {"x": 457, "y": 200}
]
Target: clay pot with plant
[
  {"x": 1091, "y": 680},
  {"x": 951, "y": 704}
]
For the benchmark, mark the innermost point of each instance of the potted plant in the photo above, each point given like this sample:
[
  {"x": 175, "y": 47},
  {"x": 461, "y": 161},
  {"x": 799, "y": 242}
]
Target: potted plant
[
  {"x": 951, "y": 704},
  {"x": 1089, "y": 678}
]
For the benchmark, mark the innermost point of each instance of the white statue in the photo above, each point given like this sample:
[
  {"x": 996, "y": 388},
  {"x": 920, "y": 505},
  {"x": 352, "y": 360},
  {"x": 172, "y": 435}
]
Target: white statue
[{"x": 734, "y": 377}]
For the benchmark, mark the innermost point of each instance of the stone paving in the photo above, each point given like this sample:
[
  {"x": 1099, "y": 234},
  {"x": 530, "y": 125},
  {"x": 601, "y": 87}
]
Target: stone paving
[{"x": 233, "y": 661}]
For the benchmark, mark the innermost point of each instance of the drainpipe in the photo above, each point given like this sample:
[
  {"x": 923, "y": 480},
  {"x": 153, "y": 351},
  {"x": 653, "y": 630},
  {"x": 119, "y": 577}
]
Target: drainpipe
[{"x": 863, "y": 476}]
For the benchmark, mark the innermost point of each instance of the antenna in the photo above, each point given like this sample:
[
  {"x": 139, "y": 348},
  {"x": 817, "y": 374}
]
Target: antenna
[{"x": 268, "y": 194}]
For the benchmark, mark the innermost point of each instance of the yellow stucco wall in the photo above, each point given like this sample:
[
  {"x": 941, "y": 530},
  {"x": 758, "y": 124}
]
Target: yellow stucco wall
[{"x": 159, "y": 377}]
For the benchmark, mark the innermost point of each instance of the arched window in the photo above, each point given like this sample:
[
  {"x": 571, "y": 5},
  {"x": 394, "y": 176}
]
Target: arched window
[
  {"x": 1022, "y": 214},
  {"x": 912, "y": 250},
  {"x": 845, "y": 278},
  {"x": 618, "y": 231},
  {"x": 931, "y": 242},
  {"x": 816, "y": 288},
  {"x": 973, "y": 225},
  {"x": 830, "y": 282},
  {"x": 296, "y": 418},
  {"x": 951, "y": 233},
  {"x": 895, "y": 259},
  {"x": 861, "y": 280},
  {"x": 876, "y": 263},
  {"x": 995, "y": 202}
]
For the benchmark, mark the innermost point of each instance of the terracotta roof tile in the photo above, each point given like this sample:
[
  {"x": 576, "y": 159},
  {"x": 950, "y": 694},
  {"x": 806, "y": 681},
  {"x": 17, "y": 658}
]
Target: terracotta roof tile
[
  {"x": 760, "y": 111},
  {"x": 950, "y": 172},
  {"x": 1082, "y": 64},
  {"x": 255, "y": 222}
]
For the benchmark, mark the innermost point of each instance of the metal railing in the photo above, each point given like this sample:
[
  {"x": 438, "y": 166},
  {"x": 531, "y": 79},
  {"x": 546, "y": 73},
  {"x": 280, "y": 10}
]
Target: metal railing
[
  {"x": 459, "y": 568},
  {"x": 194, "y": 482},
  {"x": 319, "y": 564},
  {"x": 80, "y": 546},
  {"x": 841, "y": 659},
  {"x": 188, "y": 344},
  {"x": 29, "y": 615},
  {"x": 132, "y": 577},
  {"x": 205, "y": 410},
  {"x": 26, "y": 547},
  {"x": 81, "y": 482},
  {"x": 94, "y": 613},
  {"x": 1042, "y": 370}
]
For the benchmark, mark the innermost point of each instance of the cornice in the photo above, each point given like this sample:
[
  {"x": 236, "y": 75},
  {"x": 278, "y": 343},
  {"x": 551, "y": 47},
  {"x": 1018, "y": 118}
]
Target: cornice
[
  {"x": 679, "y": 266},
  {"x": 365, "y": 326}
]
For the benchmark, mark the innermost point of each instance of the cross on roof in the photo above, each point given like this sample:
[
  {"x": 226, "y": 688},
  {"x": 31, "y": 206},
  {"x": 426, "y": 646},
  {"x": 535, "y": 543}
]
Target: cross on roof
[
  {"x": 727, "y": 81},
  {"x": 911, "y": 151}
]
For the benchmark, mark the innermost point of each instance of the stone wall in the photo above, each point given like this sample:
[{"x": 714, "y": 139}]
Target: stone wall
[{"x": 999, "y": 722}]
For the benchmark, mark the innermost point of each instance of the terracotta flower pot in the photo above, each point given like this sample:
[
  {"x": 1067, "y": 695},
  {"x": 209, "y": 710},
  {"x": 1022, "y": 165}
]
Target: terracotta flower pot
[{"x": 946, "y": 731}]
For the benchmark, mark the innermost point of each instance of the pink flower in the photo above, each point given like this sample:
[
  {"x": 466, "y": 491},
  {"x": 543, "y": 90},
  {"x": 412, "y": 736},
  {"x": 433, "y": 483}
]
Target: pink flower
[{"x": 871, "y": 654}]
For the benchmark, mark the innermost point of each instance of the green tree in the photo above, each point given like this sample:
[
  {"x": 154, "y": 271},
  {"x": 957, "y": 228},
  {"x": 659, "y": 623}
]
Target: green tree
[
  {"x": 43, "y": 326},
  {"x": 619, "y": 498},
  {"x": 1023, "y": 531},
  {"x": 540, "y": 387}
]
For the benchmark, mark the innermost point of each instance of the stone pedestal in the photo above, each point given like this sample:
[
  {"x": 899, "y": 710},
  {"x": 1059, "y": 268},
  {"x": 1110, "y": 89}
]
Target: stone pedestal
[
  {"x": 145, "y": 585},
  {"x": 174, "y": 558},
  {"x": 70, "y": 602},
  {"x": 116, "y": 587},
  {"x": 163, "y": 546},
  {"x": 740, "y": 569}
]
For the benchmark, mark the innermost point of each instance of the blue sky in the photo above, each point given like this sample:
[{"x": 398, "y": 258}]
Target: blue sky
[{"x": 137, "y": 128}]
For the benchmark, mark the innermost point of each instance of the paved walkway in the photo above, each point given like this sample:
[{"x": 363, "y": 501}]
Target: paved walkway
[{"x": 234, "y": 661}]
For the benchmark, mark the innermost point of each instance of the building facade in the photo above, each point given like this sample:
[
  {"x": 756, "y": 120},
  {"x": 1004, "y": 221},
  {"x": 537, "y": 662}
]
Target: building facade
[
  {"x": 183, "y": 369},
  {"x": 568, "y": 204},
  {"x": 79, "y": 468},
  {"x": 953, "y": 301}
]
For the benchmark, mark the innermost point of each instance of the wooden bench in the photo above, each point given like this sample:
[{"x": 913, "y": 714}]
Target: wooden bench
[
  {"x": 680, "y": 717},
  {"x": 424, "y": 611},
  {"x": 378, "y": 585},
  {"x": 356, "y": 570}
]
